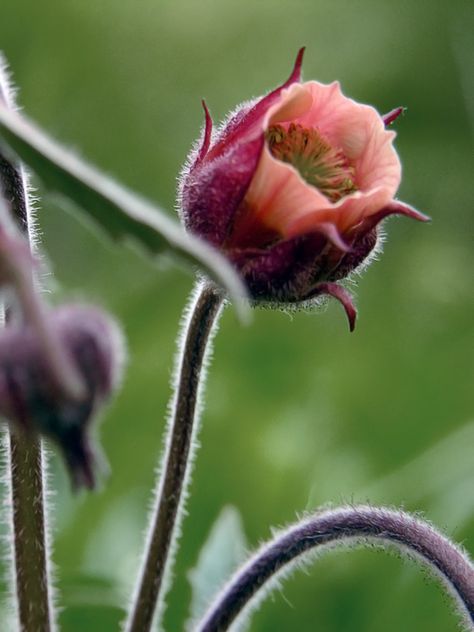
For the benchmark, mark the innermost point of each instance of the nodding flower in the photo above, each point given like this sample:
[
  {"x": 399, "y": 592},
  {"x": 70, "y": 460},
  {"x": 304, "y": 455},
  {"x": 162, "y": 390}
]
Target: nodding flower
[
  {"x": 292, "y": 188},
  {"x": 33, "y": 401}
]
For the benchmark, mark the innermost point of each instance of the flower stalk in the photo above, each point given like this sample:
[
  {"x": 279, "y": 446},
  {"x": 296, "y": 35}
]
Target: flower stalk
[
  {"x": 26, "y": 458},
  {"x": 363, "y": 524},
  {"x": 32, "y": 578},
  {"x": 198, "y": 328}
]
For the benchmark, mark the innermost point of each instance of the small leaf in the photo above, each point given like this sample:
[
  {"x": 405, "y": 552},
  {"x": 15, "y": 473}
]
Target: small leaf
[
  {"x": 221, "y": 554},
  {"x": 121, "y": 213}
]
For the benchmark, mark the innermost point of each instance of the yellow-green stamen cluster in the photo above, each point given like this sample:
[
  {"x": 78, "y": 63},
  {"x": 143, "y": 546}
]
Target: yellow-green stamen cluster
[{"x": 320, "y": 164}]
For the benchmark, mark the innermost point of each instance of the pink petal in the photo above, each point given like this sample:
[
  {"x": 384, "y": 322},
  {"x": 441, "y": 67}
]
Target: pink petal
[
  {"x": 295, "y": 102},
  {"x": 279, "y": 196},
  {"x": 359, "y": 131},
  {"x": 286, "y": 203},
  {"x": 378, "y": 166}
]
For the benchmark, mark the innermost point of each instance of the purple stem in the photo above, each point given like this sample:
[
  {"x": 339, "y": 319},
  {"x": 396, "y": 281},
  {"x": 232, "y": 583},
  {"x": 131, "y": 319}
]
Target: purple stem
[
  {"x": 363, "y": 524},
  {"x": 171, "y": 485},
  {"x": 27, "y": 487}
]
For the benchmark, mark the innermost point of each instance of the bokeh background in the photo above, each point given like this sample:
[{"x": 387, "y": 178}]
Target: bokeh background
[{"x": 299, "y": 413}]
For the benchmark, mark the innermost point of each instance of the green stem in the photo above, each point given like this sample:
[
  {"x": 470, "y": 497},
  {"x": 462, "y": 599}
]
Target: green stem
[{"x": 167, "y": 513}]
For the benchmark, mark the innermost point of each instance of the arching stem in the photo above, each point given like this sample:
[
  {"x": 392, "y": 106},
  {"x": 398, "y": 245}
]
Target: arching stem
[
  {"x": 178, "y": 456},
  {"x": 340, "y": 526}
]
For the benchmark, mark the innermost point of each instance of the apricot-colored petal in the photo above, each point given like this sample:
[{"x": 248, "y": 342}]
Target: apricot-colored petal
[
  {"x": 285, "y": 202},
  {"x": 353, "y": 209},
  {"x": 339, "y": 119},
  {"x": 278, "y": 195},
  {"x": 281, "y": 200},
  {"x": 358, "y": 130},
  {"x": 294, "y": 103},
  {"x": 379, "y": 165}
]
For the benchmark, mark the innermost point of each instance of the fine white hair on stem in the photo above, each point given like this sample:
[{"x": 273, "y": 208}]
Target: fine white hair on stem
[
  {"x": 181, "y": 341},
  {"x": 49, "y": 494},
  {"x": 8, "y": 604},
  {"x": 7, "y": 90},
  {"x": 26, "y": 463},
  {"x": 298, "y": 545},
  {"x": 199, "y": 325},
  {"x": 8, "y": 93}
]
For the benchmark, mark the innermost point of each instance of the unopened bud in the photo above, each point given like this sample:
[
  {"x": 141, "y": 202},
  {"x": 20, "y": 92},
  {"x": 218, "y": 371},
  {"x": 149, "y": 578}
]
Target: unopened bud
[{"x": 31, "y": 397}]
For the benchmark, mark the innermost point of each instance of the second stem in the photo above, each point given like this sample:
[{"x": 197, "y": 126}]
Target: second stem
[{"x": 201, "y": 318}]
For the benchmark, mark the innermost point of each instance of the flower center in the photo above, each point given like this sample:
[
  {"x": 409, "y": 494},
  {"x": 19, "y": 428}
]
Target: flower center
[{"x": 320, "y": 164}]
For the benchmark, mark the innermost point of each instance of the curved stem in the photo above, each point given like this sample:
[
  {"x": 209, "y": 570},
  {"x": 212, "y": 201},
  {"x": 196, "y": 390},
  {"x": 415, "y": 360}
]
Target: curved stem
[
  {"x": 165, "y": 519},
  {"x": 25, "y": 456},
  {"x": 365, "y": 524}
]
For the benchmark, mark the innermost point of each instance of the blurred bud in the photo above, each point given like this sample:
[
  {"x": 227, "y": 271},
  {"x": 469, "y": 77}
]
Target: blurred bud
[
  {"x": 292, "y": 188},
  {"x": 31, "y": 397}
]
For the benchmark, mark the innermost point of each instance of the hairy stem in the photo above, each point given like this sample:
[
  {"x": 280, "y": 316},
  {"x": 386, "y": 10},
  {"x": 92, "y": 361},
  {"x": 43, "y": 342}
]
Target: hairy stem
[
  {"x": 171, "y": 485},
  {"x": 29, "y": 533},
  {"x": 364, "y": 524},
  {"x": 31, "y": 570}
]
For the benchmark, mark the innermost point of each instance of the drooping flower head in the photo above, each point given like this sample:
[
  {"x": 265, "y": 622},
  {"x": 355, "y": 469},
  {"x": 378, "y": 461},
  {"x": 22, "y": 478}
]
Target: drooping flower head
[
  {"x": 31, "y": 398},
  {"x": 292, "y": 188}
]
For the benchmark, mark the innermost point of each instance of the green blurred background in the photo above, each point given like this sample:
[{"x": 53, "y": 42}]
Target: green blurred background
[{"x": 299, "y": 412}]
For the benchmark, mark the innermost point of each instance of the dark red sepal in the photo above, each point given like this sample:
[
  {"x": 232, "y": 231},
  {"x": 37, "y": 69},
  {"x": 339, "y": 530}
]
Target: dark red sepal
[
  {"x": 392, "y": 116},
  {"x": 214, "y": 189},
  {"x": 245, "y": 121},
  {"x": 394, "y": 208},
  {"x": 343, "y": 296},
  {"x": 206, "y": 139}
]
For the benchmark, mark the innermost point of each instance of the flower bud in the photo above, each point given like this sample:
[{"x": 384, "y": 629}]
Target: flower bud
[
  {"x": 292, "y": 188},
  {"x": 31, "y": 397}
]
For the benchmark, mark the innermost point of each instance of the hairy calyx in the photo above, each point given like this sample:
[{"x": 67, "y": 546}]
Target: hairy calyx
[{"x": 319, "y": 164}]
